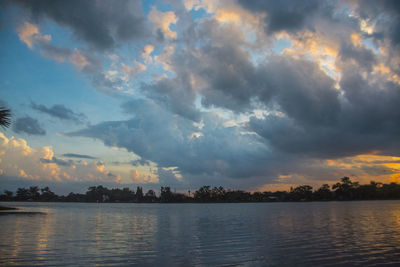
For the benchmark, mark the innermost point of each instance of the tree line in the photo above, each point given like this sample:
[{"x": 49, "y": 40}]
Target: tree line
[{"x": 345, "y": 189}]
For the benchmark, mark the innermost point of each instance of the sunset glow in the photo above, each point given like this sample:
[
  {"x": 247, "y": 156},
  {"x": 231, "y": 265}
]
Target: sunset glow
[{"x": 257, "y": 95}]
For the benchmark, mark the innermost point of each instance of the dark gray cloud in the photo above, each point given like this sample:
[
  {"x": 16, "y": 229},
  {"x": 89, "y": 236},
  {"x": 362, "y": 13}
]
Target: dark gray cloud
[
  {"x": 309, "y": 117},
  {"x": 365, "y": 57},
  {"x": 231, "y": 80},
  {"x": 167, "y": 177},
  {"x": 315, "y": 118},
  {"x": 60, "y": 162},
  {"x": 289, "y": 15},
  {"x": 223, "y": 65},
  {"x": 102, "y": 24},
  {"x": 230, "y": 76},
  {"x": 176, "y": 95},
  {"x": 140, "y": 162},
  {"x": 60, "y": 112},
  {"x": 301, "y": 90},
  {"x": 79, "y": 156},
  {"x": 157, "y": 135},
  {"x": 366, "y": 120},
  {"x": 386, "y": 14},
  {"x": 28, "y": 125}
]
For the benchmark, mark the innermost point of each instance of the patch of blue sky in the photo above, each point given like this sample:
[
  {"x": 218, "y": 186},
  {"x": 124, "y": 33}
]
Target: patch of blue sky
[
  {"x": 255, "y": 57},
  {"x": 26, "y": 73},
  {"x": 80, "y": 145},
  {"x": 60, "y": 36},
  {"x": 148, "y": 4},
  {"x": 281, "y": 44},
  {"x": 27, "y": 76},
  {"x": 331, "y": 73},
  {"x": 132, "y": 49},
  {"x": 152, "y": 73},
  {"x": 174, "y": 27},
  {"x": 371, "y": 45},
  {"x": 162, "y": 6},
  {"x": 90, "y": 146},
  {"x": 200, "y": 13}
]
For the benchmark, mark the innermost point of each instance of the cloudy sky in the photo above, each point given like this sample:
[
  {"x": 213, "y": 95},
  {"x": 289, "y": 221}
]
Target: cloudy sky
[{"x": 256, "y": 95}]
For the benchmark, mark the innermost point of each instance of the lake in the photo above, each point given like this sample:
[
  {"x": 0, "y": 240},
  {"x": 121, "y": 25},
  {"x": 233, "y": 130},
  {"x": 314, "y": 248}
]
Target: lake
[{"x": 245, "y": 234}]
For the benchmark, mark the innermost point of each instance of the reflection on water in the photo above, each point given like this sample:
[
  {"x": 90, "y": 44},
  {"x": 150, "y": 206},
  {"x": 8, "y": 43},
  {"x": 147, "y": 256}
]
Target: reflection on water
[{"x": 259, "y": 234}]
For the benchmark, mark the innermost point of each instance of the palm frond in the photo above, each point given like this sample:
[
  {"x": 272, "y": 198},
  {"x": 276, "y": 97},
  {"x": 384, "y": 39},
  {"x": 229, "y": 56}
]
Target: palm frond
[{"x": 5, "y": 117}]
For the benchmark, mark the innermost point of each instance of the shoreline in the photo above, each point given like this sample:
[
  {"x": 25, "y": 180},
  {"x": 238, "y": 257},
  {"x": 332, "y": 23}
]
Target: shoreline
[{"x": 11, "y": 210}]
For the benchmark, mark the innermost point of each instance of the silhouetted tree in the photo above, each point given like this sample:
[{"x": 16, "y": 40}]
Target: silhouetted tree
[
  {"x": 34, "y": 193},
  {"x": 139, "y": 194},
  {"x": 72, "y": 197},
  {"x": 5, "y": 117},
  {"x": 150, "y": 193},
  {"x": 7, "y": 196},
  {"x": 390, "y": 191},
  {"x": 218, "y": 194},
  {"x": 302, "y": 192},
  {"x": 124, "y": 195},
  {"x": 203, "y": 194},
  {"x": 257, "y": 197},
  {"x": 166, "y": 194},
  {"x": 47, "y": 194},
  {"x": 346, "y": 189},
  {"x": 97, "y": 194},
  {"x": 150, "y": 196},
  {"x": 343, "y": 190},
  {"x": 237, "y": 196},
  {"x": 323, "y": 193},
  {"x": 22, "y": 194}
]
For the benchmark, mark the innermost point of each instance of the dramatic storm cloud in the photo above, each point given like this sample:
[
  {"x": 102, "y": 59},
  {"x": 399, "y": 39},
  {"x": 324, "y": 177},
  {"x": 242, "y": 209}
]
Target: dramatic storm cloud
[
  {"x": 103, "y": 24},
  {"x": 235, "y": 93},
  {"x": 288, "y": 15}
]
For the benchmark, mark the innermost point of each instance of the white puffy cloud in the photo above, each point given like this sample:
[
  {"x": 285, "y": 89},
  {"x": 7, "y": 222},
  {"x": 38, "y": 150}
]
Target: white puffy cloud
[
  {"x": 161, "y": 23},
  {"x": 18, "y": 159}
]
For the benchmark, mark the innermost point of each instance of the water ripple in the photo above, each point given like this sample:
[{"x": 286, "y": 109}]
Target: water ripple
[{"x": 260, "y": 234}]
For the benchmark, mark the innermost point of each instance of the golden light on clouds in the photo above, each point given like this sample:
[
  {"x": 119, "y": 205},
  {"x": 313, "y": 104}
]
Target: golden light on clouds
[
  {"x": 143, "y": 177},
  {"x": 387, "y": 72},
  {"x": 162, "y": 21},
  {"x": 30, "y": 34},
  {"x": 322, "y": 51},
  {"x": 367, "y": 167},
  {"x": 356, "y": 39},
  {"x": 18, "y": 159}
]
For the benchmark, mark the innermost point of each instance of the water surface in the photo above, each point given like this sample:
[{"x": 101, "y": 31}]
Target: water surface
[{"x": 247, "y": 234}]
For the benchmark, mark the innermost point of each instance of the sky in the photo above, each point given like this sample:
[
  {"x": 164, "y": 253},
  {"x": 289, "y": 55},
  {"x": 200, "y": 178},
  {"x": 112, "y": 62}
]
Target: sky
[{"x": 252, "y": 95}]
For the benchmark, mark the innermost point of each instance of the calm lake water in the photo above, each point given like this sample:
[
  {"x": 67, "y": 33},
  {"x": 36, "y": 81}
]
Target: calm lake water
[{"x": 247, "y": 234}]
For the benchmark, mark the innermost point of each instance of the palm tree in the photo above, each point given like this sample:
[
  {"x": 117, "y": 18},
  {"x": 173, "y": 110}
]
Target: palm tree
[{"x": 5, "y": 117}]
